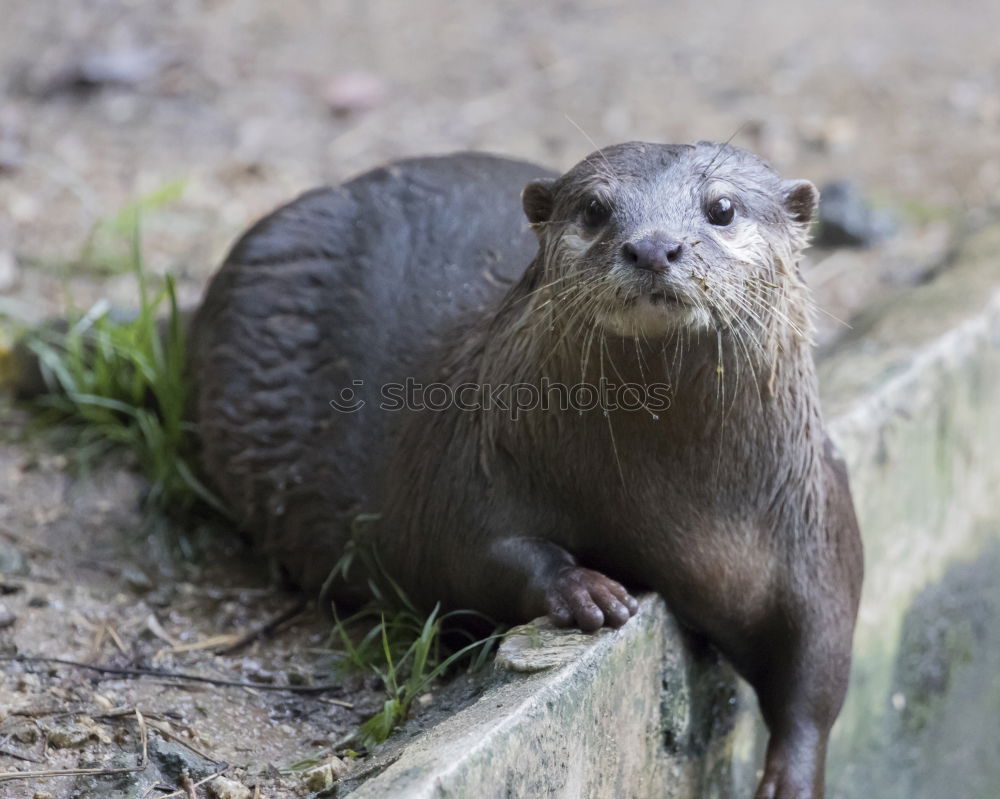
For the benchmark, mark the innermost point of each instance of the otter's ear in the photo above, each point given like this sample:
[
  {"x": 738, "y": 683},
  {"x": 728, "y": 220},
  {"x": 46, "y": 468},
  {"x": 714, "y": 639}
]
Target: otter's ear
[
  {"x": 801, "y": 200},
  {"x": 537, "y": 201}
]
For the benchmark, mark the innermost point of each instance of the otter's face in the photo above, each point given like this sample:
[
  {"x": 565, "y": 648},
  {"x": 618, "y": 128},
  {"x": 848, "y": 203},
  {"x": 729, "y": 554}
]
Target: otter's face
[{"x": 667, "y": 237}]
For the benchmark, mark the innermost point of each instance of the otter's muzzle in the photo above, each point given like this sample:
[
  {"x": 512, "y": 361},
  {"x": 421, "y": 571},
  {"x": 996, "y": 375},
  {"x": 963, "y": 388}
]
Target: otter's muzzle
[{"x": 653, "y": 253}]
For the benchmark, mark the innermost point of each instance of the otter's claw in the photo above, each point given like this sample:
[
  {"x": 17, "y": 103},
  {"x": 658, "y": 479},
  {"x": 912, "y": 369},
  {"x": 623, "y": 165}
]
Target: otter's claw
[{"x": 589, "y": 599}]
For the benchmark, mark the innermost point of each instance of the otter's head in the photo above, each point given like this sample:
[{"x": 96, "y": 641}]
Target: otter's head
[{"x": 645, "y": 239}]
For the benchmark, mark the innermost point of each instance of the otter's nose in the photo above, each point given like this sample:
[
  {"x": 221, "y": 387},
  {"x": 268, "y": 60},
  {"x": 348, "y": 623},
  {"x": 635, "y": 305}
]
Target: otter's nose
[{"x": 654, "y": 253}]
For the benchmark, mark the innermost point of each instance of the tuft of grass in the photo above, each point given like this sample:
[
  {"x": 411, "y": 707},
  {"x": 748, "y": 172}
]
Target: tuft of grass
[
  {"x": 120, "y": 384},
  {"x": 108, "y": 249},
  {"x": 409, "y": 657},
  {"x": 407, "y": 649}
]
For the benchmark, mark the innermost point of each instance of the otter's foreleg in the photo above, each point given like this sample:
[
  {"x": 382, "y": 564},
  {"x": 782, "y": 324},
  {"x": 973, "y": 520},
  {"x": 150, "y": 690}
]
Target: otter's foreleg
[{"x": 538, "y": 577}]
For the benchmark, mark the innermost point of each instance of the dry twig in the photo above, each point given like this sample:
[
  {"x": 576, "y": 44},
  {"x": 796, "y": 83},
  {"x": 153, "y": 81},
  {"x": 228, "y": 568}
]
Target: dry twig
[
  {"x": 186, "y": 744},
  {"x": 172, "y": 675},
  {"x": 264, "y": 629}
]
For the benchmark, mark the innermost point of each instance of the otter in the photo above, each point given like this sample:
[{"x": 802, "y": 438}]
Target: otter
[{"x": 644, "y": 266}]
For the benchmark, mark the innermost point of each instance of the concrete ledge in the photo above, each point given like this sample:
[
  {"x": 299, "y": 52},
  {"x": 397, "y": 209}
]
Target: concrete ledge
[
  {"x": 612, "y": 714},
  {"x": 915, "y": 401},
  {"x": 913, "y": 398}
]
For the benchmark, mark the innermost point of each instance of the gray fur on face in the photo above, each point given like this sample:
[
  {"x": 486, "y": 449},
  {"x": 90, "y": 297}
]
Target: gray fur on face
[{"x": 738, "y": 275}]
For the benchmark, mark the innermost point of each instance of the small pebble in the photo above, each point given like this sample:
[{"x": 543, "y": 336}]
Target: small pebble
[
  {"x": 224, "y": 788},
  {"x": 77, "y": 734},
  {"x": 318, "y": 778},
  {"x": 137, "y": 580},
  {"x": 323, "y": 776},
  {"x": 354, "y": 91},
  {"x": 337, "y": 766},
  {"x": 97, "y": 69},
  {"x": 25, "y": 733}
]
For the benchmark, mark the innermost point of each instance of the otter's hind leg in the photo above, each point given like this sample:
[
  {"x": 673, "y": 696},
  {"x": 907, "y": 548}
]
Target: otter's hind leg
[
  {"x": 800, "y": 666},
  {"x": 800, "y": 663},
  {"x": 800, "y": 691}
]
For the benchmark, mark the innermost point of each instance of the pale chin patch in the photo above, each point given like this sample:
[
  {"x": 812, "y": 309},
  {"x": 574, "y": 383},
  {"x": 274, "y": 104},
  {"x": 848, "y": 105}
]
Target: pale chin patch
[{"x": 644, "y": 319}]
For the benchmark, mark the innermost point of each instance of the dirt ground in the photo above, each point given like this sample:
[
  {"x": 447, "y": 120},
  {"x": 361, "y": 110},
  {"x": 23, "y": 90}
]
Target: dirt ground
[
  {"x": 244, "y": 103},
  {"x": 83, "y": 577}
]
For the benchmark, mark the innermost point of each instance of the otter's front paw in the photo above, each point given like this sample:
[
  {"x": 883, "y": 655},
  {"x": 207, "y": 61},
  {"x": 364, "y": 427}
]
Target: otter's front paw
[{"x": 588, "y": 599}]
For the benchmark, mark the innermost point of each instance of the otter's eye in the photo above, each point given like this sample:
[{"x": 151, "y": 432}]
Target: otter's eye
[
  {"x": 595, "y": 214},
  {"x": 721, "y": 212}
]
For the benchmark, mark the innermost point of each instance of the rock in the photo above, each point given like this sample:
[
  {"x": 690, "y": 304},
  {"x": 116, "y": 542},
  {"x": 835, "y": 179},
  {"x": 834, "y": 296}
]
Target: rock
[
  {"x": 7, "y": 619},
  {"x": 103, "y": 702},
  {"x": 77, "y": 734},
  {"x": 323, "y": 777},
  {"x": 24, "y": 732},
  {"x": 337, "y": 766},
  {"x": 173, "y": 759},
  {"x": 317, "y": 779},
  {"x": 124, "y": 785},
  {"x": 538, "y": 646},
  {"x": 847, "y": 219},
  {"x": 95, "y": 69},
  {"x": 225, "y": 788}
]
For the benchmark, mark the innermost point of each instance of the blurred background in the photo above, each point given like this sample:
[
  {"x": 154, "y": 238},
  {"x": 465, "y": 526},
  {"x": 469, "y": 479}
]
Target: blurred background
[{"x": 210, "y": 112}]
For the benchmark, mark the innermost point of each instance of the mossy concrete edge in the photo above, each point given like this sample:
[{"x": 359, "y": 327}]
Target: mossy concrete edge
[{"x": 617, "y": 720}]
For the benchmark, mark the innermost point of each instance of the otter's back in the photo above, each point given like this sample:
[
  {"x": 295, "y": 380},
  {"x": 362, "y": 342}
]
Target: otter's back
[{"x": 330, "y": 298}]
